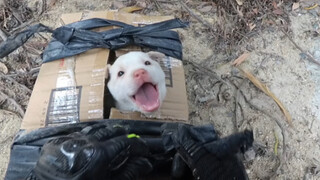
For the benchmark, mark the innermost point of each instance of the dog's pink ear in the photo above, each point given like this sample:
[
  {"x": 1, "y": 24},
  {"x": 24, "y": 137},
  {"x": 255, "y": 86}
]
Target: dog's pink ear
[{"x": 156, "y": 56}]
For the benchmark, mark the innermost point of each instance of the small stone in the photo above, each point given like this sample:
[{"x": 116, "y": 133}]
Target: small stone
[
  {"x": 303, "y": 56},
  {"x": 317, "y": 55},
  {"x": 250, "y": 154},
  {"x": 3, "y": 68}
]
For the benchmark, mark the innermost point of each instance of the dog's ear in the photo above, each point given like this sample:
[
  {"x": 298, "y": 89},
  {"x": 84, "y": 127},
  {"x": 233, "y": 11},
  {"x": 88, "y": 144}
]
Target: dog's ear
[
  {"x": 108, "y": 72},
  {"x": 156, "y": 56},
  {"x": 108, "y": 66}
]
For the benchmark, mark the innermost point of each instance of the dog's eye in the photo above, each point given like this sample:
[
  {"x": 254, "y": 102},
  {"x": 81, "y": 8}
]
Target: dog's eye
[
  {"x": 120, "y": 73},
  {"x": 147, "y": 63}
]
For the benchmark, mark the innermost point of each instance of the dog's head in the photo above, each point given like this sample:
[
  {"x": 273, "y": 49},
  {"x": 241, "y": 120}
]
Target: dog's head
[{"x": 137, "y": 82}]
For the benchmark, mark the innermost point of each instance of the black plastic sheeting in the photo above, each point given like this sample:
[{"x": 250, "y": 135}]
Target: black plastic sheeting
[
  {"x": 26, "y": 148},
  {"x": 160, "y": 138},
  {"x": 75, "y": 38}
]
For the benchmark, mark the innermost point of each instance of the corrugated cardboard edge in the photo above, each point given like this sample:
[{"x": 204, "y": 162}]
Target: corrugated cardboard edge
[{"x": 116, "y": 114}]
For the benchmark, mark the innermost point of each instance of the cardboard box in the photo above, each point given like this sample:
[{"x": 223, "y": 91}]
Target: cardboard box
[{"x": 72, "y": 90}]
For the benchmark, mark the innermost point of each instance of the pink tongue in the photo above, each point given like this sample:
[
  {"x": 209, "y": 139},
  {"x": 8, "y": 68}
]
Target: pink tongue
[{"x": 147, "y": 97}]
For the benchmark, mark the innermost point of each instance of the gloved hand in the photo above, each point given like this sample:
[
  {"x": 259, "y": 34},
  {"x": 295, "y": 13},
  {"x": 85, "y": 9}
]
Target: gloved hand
[
  {"x": 95, "y": 153},
  {"x": 213, "y": 159}
]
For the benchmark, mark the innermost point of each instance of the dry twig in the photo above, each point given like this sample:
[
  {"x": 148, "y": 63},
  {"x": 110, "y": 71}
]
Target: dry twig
[
  {"x": 168, "y": 1},
  {"x": 23, "y": 25},
  {"x": 43, "y": 7},
  {"x": 207, "y": 70},
  {"x": 310, "y": 57},
  {"x": 282, "y": 128},
  {"x": 235, "y": 9},
  {"x": 14, "y": 12},
  {"x": 255, "y": 107},
  {"x": 31, "y": 72},
  {"x": 266, "y": 90},
  {"x": 237, "y": 103},
  {"x": 202, "y": 21},
  {"x": 158, "y": 6}
]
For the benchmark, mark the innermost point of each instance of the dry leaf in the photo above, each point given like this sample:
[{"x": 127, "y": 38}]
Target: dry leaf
[
  {"x": 130, "y": 9},
  {"x": 205, "y": 9},
  {"x": 312, "y": 7},
  {"x": 255, "y": 10},
  {"x": 239, "y": 2},
  {"x": 268, "y": 22},
  {"x": 239, "y": 11},
  {"x": 295, "y": 6},
  {"x": 274, "y": 4},
  {"x": 252, "y": 26},
  {"x": 276, "y": 144},
  {"x": 278, "y": 11},
  {"x": 265, "y": 89},
  {"x": 3, "y": 68},
  {"x": 240, "y": 59}
]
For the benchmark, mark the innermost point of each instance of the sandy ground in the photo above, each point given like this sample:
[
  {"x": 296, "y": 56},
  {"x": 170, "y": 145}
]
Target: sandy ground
[
  {"x": 273, "y": 59},
  {"x": 293, "y": 79},
  {"x": 9, "y": 126}
]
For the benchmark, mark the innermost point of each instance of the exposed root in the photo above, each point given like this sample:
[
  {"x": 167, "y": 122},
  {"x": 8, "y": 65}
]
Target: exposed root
[{"x": 206, "y": 70}]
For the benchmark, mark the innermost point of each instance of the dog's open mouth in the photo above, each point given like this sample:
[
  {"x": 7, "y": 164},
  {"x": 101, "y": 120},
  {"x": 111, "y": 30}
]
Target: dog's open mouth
[{"x": 147, "y": 97}]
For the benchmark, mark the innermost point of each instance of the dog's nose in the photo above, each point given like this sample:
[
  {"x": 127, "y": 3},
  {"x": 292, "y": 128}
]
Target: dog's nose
[{"x": 140, "y": 73}]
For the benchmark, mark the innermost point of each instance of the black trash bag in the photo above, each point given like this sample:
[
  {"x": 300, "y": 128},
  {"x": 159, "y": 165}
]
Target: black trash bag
[
  {"x": 75, "y": 38},
  {"x": 26, "y": 148},
  {"x": 161, "y": 139}
]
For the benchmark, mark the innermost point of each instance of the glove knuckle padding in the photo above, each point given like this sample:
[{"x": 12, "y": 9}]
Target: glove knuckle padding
[
  {"x": 81, "y": 157},
  {"x": 66, "y": 159}
]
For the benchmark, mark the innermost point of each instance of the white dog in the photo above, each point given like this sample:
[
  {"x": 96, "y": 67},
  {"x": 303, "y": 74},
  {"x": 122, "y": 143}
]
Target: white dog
[{"x": 137, "y": 82}]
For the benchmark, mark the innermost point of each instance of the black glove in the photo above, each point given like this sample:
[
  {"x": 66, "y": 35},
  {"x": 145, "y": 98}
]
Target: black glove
[
  {"x": 210, "y": 157},
  {"x": 95, "y": 153}
]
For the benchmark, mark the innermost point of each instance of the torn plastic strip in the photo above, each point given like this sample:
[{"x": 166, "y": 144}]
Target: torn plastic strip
[
  {"x": 14, "y": 42},
  {"x": 76, "y": 38}
]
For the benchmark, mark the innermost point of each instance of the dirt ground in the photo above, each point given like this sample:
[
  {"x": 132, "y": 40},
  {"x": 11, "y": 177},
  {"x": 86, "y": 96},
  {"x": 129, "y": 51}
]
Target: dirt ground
[{"x": 218, "y": 92}]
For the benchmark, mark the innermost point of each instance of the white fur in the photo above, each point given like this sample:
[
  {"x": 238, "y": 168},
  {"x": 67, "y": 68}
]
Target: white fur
[{"x": 124, "y": 87}]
